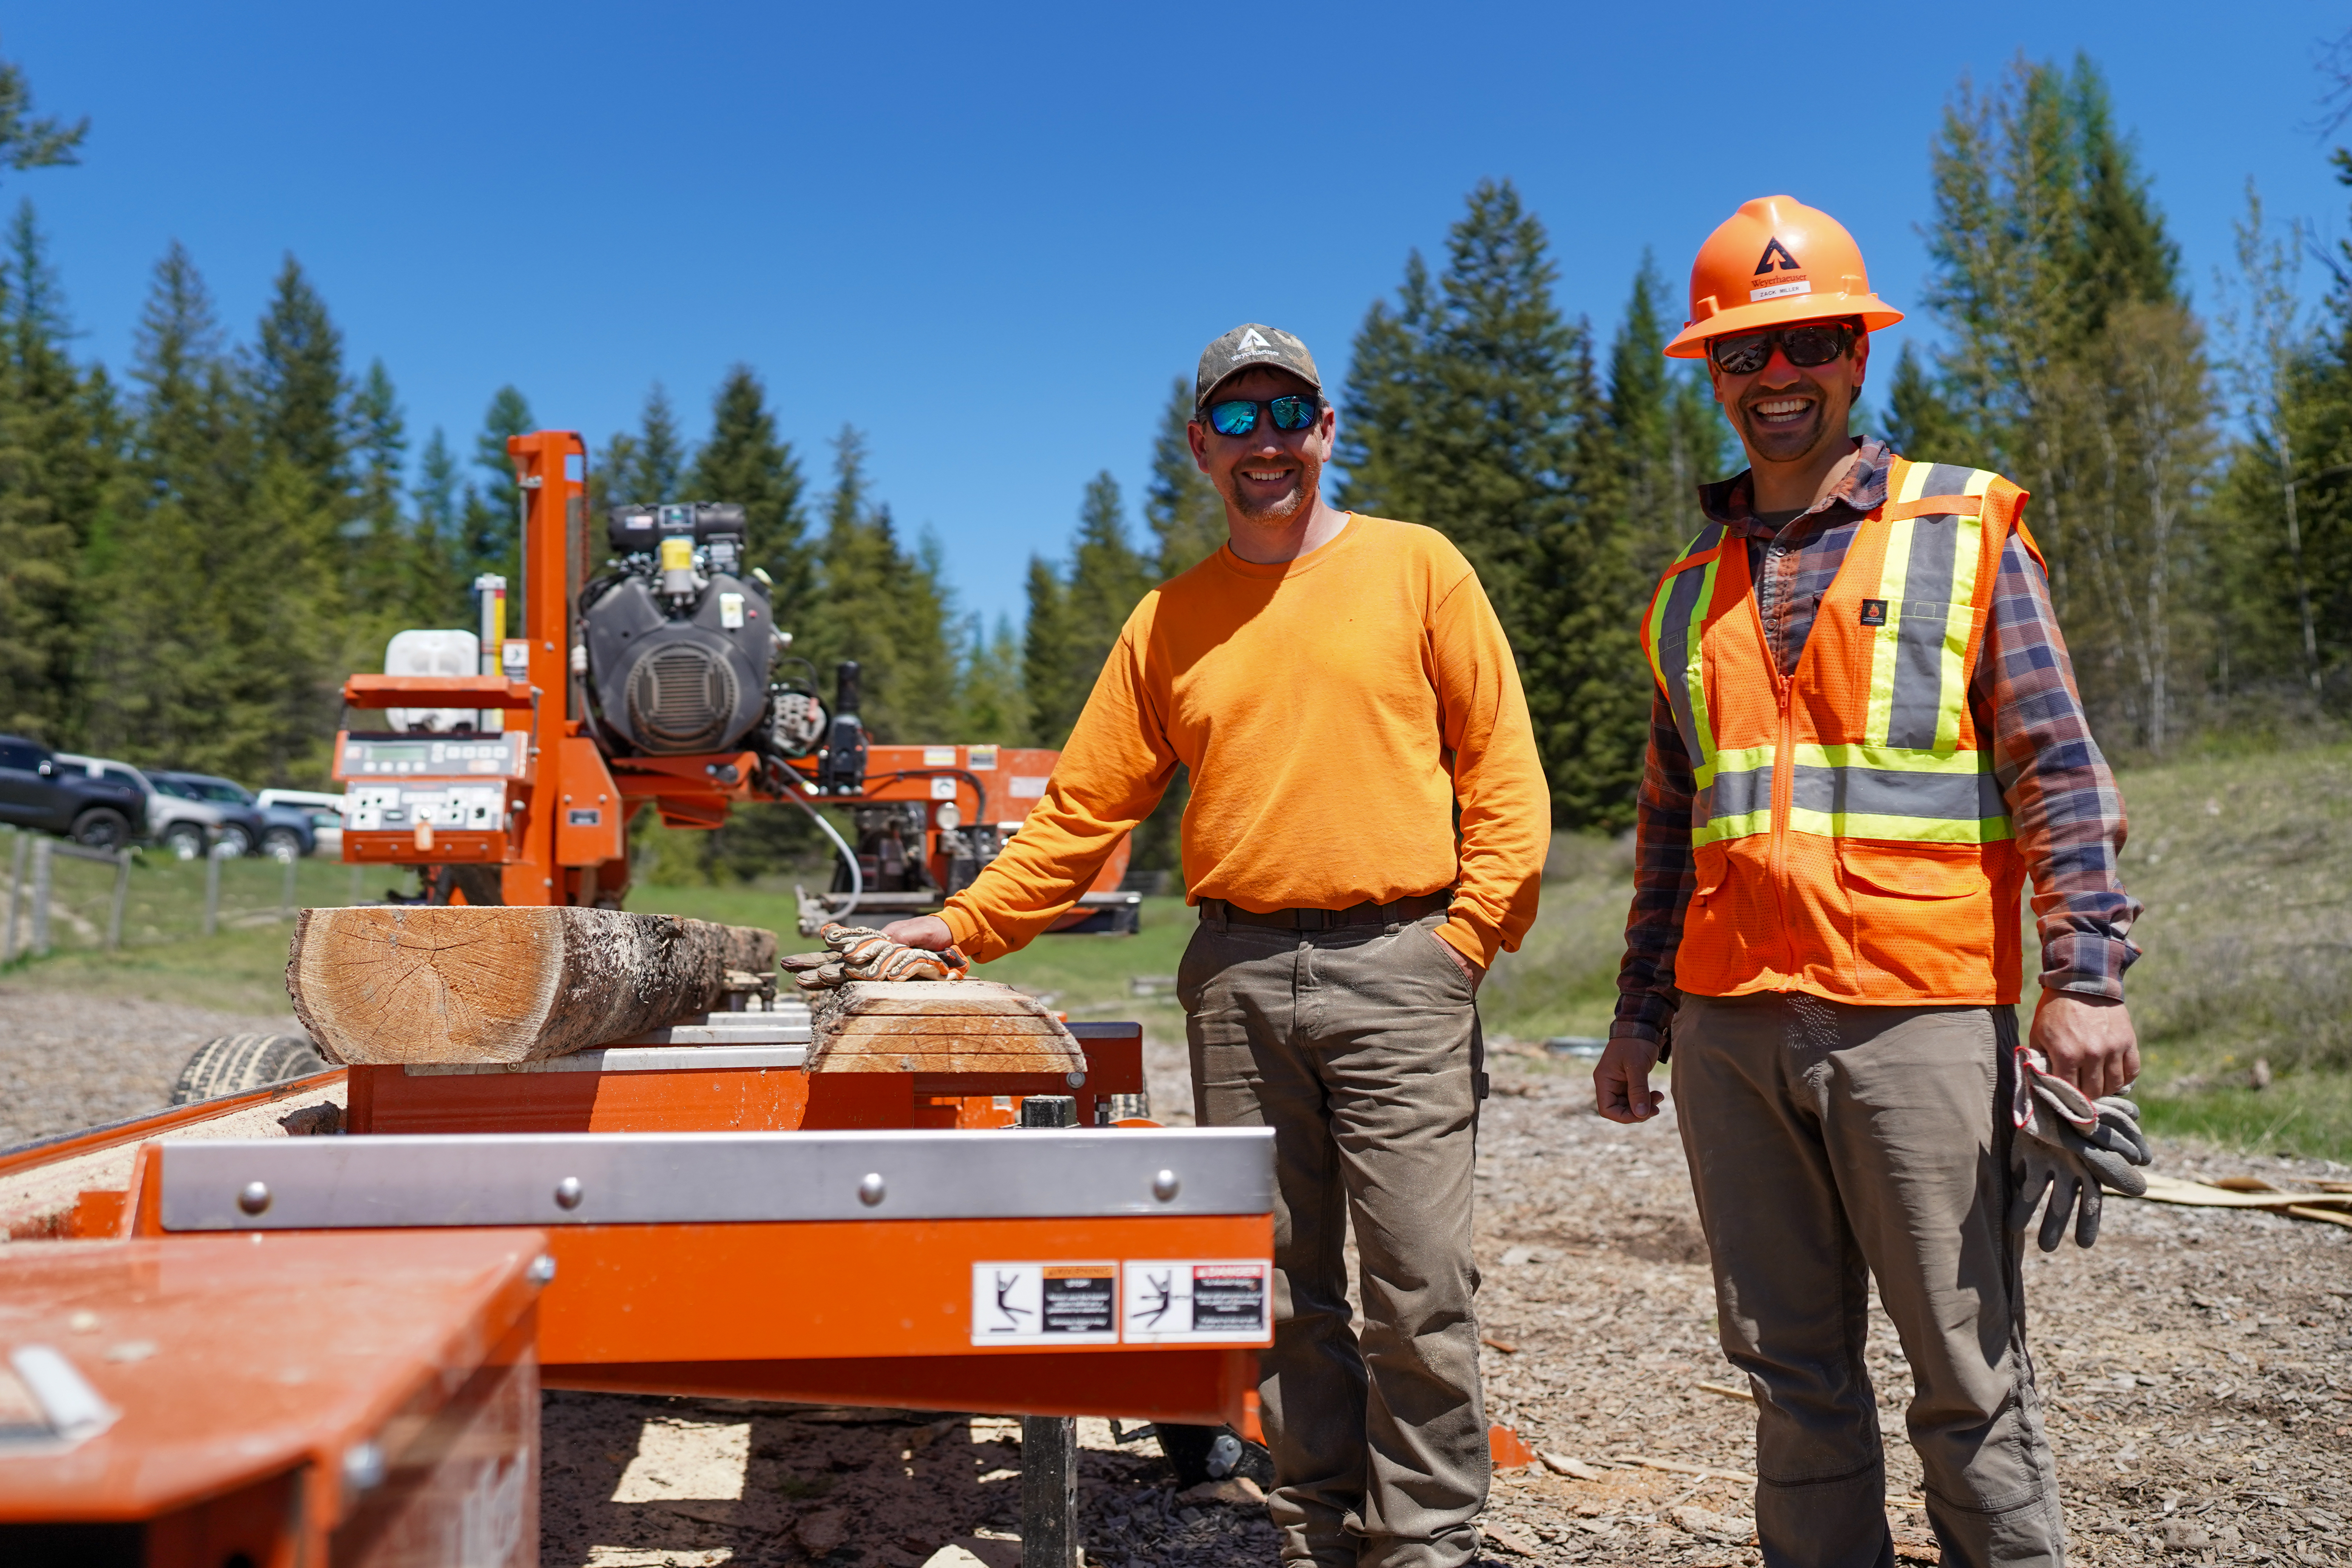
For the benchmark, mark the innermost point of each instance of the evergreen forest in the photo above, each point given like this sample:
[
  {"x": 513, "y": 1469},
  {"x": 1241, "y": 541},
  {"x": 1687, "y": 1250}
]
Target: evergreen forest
[{"x": 196, "y": 545}]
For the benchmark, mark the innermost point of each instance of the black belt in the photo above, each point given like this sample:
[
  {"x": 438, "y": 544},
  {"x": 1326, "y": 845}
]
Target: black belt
[{"x": 1364, "y": 914}]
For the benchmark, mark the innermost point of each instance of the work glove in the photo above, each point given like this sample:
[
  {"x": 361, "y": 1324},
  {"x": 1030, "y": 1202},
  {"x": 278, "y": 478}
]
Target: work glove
[
  {"x": 2070, "y": 1145},
  {"x": 861, "y": 952}
]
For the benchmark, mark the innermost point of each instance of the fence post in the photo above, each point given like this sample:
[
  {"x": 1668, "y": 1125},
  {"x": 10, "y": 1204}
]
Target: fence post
[
  {"x": 122, "y": 897},
  {"x": 42, "y": 878},
  {"x": 286, "y": 895},
  {"x": 212, "y": 890},
  {"x": 16, "y": 892}
]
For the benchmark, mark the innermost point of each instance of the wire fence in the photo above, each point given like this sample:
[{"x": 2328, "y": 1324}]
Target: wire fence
[{"x": 60, "y": 895}]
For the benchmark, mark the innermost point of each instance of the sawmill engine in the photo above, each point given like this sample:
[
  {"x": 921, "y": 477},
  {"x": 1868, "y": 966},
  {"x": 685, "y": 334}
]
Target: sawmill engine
[{"x": 680, "y": 638}]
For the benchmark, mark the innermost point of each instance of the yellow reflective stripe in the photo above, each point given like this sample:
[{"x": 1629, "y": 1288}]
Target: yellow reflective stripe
[
  {"x": 1748, "y": 759},
  {"x": 1883, "y": 651},
  {"x": 1968, "y": 554},
  {"x": 1904, "y": 829},
  {"x": 1750, "y": 825},
  {"x": 1694, "y": 675},
  {"x": 1892, "y": 758}
]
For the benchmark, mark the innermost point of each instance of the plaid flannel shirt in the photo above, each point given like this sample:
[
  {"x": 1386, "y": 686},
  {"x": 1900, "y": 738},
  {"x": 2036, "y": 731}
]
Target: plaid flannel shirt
[{"x": 2063, "y": 801}]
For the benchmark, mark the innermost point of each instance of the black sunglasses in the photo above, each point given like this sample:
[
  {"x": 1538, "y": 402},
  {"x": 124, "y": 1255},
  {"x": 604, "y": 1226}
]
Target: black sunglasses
[
  {"x": 1815, "y": 343},
  {"x": 1238, "y": 415}
]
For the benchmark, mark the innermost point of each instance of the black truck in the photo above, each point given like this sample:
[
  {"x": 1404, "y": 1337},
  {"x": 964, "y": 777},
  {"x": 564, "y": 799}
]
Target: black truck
[{"x": 36, "y": 790}]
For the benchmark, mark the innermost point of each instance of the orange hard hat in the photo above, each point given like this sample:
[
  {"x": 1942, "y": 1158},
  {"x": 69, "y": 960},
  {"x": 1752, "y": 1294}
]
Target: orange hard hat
[{"x": 1775, "y": 261}]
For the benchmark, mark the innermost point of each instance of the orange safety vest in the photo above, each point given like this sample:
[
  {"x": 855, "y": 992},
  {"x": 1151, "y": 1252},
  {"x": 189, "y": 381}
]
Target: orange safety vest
[{"x": 1849, "y": 838}]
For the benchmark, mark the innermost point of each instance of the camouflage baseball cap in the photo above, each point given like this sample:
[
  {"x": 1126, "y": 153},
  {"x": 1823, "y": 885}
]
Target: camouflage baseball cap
[{"x": 1247, "y": 347}]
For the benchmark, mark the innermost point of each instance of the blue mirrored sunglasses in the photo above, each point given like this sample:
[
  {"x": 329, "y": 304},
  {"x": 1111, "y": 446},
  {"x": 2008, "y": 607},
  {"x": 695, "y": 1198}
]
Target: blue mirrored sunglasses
[{"x": 1238, "y": 415}]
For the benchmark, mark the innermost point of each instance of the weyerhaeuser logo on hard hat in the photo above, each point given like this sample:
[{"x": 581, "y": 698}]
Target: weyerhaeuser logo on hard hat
[{"x": 1776, "y": 257}]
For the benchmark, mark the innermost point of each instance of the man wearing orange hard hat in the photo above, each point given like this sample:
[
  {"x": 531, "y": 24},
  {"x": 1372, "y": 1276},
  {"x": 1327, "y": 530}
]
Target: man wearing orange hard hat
[{"x": 1864, "y": 739}]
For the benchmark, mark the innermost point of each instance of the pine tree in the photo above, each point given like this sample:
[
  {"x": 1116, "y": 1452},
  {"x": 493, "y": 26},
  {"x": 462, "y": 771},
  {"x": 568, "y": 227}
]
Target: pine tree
[
  {"x": 1461, "y": 409},
  {"x": 745, "y": 461},
  {"x": 1045, "y": 657},
  {"x": 992, "y": 706},
  {"x": 56, "y": 457},
  {"x": 1654, "y": 438},
  {"x": 884, "y": 606},
  {"x": 26, "y": 143},
  {"x": 299, "y": 391},
  {"x": 491, "y": 538},
  {"x": 1186, "y": 515},
  {"x": 161, "y": 659}
]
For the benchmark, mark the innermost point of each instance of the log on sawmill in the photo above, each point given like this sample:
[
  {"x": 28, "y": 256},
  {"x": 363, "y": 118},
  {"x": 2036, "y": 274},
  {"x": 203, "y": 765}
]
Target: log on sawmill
[
  {"x": 505, "y": 984},
  {"x": 938, "y": 1026}
]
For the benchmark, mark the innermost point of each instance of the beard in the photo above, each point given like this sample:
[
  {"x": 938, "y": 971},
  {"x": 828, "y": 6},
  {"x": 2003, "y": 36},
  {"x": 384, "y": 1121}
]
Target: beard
[{"x": 1285, "y": 507}]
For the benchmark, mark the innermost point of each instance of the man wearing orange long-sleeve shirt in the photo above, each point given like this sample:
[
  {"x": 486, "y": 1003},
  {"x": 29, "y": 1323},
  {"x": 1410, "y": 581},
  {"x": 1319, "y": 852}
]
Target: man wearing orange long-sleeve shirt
[{"x": 1339, "y": 690}]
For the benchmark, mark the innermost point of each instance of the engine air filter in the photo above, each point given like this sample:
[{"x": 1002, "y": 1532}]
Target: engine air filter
[{"x": 681, "y": 699}]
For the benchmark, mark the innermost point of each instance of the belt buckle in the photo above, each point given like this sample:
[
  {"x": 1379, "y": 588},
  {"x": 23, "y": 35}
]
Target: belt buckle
[{"x": 1320, "y": 920}]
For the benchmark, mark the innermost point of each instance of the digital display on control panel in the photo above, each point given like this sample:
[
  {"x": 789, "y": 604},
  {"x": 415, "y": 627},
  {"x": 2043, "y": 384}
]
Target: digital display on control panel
[{"x": 492, "y": 756}]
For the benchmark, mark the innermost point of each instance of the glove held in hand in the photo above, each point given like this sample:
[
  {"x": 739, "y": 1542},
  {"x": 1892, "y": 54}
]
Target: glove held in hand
[{"x": 2069, "y": 1146}]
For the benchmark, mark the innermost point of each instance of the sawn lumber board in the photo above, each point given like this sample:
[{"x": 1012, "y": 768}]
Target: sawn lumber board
[
  {"x": 947, "y": 1026},
  {"x": 504, "y": 983}
]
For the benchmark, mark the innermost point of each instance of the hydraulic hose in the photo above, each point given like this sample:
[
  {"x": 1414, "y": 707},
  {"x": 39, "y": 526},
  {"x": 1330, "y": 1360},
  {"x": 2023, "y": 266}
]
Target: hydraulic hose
[{"x": 848, "y": 856}]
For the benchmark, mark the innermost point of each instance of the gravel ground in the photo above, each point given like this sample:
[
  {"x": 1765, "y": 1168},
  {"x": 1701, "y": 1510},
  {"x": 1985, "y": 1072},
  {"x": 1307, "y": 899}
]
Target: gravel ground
[{"x": 69, "y": 1060}]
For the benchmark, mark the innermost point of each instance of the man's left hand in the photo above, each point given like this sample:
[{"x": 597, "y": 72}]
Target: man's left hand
[
  {"x": 1470, "y": 971},
  {"x": 2089, "y": 1041}
]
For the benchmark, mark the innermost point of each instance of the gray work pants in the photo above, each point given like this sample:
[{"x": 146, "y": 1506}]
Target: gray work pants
[
  {"x": 1830, "y": 1144},
  {"x": 1359, "y": 1047}
]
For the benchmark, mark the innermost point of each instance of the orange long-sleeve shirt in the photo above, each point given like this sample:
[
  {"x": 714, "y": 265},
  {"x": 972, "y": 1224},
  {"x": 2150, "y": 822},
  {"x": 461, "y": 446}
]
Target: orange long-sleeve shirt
[{"x": 1332, "y": 711}]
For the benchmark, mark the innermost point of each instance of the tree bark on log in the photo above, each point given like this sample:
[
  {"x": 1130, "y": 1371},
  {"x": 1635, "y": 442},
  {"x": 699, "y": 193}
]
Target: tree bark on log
[
  {"x": 505, "y": 984},
  {"x": 940, "y": 1026}
]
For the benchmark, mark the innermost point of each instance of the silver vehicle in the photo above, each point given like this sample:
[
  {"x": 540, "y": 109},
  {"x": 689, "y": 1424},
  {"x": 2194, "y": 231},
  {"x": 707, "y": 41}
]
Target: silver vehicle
[
  {"x": 185, "y": 826},
  {"x": 325, "y": 812}
]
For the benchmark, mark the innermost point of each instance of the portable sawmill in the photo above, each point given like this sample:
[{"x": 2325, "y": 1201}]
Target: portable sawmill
[{"x": 568, "y": 1146}]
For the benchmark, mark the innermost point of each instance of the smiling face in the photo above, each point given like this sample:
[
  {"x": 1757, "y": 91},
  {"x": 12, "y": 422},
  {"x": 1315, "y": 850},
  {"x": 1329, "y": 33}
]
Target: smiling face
[
  {"x": 1789, "y": 416},
  {"x": 1269, "y": 476}
]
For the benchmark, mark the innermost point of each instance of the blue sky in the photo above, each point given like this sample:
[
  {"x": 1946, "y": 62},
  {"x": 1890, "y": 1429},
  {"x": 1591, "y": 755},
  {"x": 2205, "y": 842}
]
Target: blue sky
[{"x": 989, "y": 236}]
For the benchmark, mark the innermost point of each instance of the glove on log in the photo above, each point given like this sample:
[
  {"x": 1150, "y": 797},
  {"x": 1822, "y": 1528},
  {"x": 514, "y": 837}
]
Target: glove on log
[
  {"x": 2069, "y": 1146},
  {"x": 861, "y": 952}
]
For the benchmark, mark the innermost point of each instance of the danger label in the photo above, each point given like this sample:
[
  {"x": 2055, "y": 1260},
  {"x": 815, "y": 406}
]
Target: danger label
[
  {"x": 1044, "y": 1304},
  {"x": 1192, "y": 1300}
]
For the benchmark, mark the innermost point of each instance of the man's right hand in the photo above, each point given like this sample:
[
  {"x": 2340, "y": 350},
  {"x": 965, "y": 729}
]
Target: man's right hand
[
  {"x": 1621, "y": 1082},
  {"x": 926, "y": 931}
]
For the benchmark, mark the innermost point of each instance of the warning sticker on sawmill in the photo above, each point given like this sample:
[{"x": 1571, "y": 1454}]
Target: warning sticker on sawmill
[
  {"x": 1044, "y": 1304},
  {"x": 1189, "y": 1300}
]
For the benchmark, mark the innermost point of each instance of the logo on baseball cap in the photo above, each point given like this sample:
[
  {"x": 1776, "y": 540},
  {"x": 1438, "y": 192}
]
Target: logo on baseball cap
[{"x": 1247, "y": 347}]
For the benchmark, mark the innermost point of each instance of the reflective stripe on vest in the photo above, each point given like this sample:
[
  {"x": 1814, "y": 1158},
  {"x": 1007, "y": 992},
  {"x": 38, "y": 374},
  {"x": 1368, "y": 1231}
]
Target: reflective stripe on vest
[{"x": 1909, "y": 780}]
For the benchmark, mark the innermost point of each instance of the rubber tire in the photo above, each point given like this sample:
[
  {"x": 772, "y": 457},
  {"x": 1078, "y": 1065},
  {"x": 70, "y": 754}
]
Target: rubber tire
[
  {"x": 282, "y": 844},
  {"x": 237, "y": 837},
  {"x": 186, "y": 840},
  {"x": 101, "y": 827},
  {"x": 235, "y": 1063}
]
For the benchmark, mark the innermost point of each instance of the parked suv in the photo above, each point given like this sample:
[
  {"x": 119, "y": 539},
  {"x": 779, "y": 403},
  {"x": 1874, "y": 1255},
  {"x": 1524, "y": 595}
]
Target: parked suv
[
  {"x": 185, "y": 827},
  {"x": 241, "y": 822},
  {"x": 39, "y": 792},
  {"x": 322, "y": 812}
]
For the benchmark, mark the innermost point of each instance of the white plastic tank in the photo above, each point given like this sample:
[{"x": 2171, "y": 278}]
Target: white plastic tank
[{"x": 433, "y": 653}]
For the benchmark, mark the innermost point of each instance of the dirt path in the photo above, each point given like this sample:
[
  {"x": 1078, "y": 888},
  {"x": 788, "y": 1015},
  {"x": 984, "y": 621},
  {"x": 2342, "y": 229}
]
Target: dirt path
[
  {"x": 2194, "y": 1364},
  {"x": 69, "y": 1061}
]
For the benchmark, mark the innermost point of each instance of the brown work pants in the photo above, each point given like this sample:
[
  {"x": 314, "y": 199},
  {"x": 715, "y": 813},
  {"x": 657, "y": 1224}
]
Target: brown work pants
[
  {"x": 1359, "y": 1047},
  {"x": 1830, "y": 1144}
]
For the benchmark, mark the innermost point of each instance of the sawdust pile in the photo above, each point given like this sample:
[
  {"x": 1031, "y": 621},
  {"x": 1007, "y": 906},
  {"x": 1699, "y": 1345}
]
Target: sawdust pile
[{"x": 2197, "y": 1366}]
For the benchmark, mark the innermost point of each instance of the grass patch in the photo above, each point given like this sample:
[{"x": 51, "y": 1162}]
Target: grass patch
[{"x": 2244, "y": 862}]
